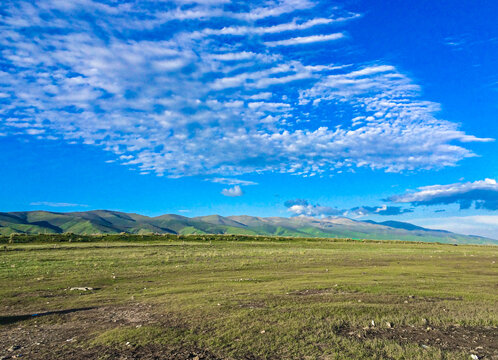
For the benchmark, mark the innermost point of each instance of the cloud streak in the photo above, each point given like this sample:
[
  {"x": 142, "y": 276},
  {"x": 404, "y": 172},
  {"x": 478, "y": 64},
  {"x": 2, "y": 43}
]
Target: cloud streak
[
  {"x": 377, "y": 210},
  {"x": 305, "y": 40},
  {"x": 232, "y": 181},
  {"x": 303, "y": 207},
  {"x": 56, "y": 204},
  {"x": 483, "y": 194}
]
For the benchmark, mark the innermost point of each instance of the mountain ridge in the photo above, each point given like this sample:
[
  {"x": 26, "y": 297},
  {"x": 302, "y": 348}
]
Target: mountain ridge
[{"x": 114, "y": 222}]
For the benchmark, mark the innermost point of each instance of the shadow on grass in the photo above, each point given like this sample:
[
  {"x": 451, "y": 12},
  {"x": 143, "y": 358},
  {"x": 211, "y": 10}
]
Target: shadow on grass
[{"x": 6, "y": 320}]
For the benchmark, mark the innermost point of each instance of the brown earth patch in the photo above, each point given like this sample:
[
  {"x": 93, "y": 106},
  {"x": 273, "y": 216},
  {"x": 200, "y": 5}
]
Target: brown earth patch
[
  {"x": 481, "y": 341},
  {"x": 151, "y": 352},
  {"x": 147, "y": 353},
  {"x": 66, "y": 334},
  {"x": 433, "y": 299},
  {"x": 253, "y": 305},
  {"x": 305, "y": 292}
]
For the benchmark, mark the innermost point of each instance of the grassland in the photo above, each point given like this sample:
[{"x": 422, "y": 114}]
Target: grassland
[{"x": 246, "y": 298}]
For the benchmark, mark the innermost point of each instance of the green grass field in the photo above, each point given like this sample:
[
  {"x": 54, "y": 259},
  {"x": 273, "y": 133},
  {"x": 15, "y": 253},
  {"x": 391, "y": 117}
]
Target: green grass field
[{"x": 260, "y": 298}]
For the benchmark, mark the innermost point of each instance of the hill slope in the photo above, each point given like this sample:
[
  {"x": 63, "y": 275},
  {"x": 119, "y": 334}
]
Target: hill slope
[{"x": 113, "y": 222}]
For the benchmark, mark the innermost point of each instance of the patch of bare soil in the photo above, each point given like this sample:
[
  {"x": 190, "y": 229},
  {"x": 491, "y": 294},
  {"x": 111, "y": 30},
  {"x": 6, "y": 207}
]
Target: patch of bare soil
[
  {"x": 327, "y": 291},
  {"x": 253, "y": 305},
  {"x": 151, "y": 352},
  {"x": 306, "y": 292},
  {"x": 65, "y": 335},
  {"x": 480, "y": 341}
]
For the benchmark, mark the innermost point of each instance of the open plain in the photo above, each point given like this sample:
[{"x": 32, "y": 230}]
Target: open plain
[{"x": 243, "y": 297}]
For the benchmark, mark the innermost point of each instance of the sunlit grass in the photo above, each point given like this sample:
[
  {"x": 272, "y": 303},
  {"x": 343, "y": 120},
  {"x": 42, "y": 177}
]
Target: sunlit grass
[{"x": 239, "y": 298}]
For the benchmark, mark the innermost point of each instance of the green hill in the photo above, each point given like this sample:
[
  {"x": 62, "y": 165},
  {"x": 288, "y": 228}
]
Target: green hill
[{"x": 114, "y": 222}]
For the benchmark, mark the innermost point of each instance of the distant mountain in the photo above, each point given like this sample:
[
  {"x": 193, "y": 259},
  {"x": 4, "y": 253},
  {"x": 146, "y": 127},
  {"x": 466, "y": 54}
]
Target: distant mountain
[
  {"x": 400, "y": 225},
  {"x": 113, "y": 222}
]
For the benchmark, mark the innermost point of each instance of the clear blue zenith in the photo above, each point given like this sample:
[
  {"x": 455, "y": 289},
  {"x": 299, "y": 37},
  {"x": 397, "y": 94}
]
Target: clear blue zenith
[{"x": 366, "y": 109}]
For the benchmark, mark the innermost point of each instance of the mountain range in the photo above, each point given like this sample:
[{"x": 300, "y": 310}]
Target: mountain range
[{"x": 114, "y": 222}]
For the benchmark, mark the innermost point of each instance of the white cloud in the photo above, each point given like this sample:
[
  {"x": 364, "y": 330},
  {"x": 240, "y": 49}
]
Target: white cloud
[
  {"x": 171, "y": 103},
  {"x": 233, "y": 192},
  {"x": 274, "y": 107},
  {"x": 292, "y": 26},
  {"x": 483, "y": 193},
  {"x": 35, "y": 131},
  {"x": 312, "y": 210},
  {"x": 304, "y": 207},
  {"x": 305, "y": 40},
  {"x": 231, "y": 181},
  {"x": 56, "y": 204},
  {"x": 301, "y": 207},
  {"x": 276, "y": 8},
  {"x": 261, "y": 96},
  {"x": 278, "y": 74},
  {"x": 376, "y": 210},
  {"x": 244, "y": 55}
]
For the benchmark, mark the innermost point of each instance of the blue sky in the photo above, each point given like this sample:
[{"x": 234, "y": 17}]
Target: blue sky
[{"x": 366, "y": 109}]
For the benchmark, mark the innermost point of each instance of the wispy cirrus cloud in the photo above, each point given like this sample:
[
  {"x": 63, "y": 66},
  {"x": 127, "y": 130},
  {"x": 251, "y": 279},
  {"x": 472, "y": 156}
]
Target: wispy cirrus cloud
[
  {"x": 56, "y": 204},
  {"x": 212, "y": 87},
  {"x": 305, "y": 40},
  {"x": 275, "y": 29},
  {"x": 232, "y": 181},
  {"x": 483, "y": 194}
]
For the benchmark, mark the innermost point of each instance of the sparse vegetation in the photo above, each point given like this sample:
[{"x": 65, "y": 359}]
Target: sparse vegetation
[{"x": 242, "y": 297}]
